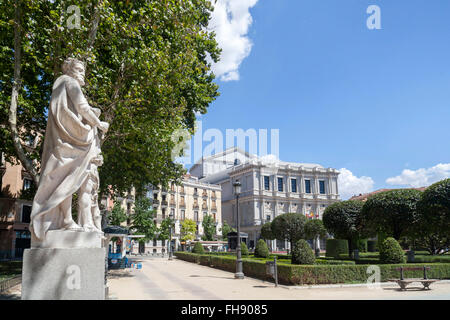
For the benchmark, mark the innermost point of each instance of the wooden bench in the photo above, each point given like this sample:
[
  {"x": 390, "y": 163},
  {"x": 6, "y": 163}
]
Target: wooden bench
[{"x": 402, "y": 282}]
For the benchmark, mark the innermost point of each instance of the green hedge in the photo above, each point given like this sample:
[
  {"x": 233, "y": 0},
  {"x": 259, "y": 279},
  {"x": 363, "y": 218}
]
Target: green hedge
[
  {"x": 335, "y": 247},
  {"x": 361, "y": 245},
  {"x": 371, "y": 245},
  {"x": 432, "y": 259},
  {"x": 315, "y": 274}
]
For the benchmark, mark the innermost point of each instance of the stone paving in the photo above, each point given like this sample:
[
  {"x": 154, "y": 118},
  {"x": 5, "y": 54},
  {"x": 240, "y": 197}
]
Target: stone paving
[
  {"x": 161, "y": 279},
  {"x": 181, "y": 280}
]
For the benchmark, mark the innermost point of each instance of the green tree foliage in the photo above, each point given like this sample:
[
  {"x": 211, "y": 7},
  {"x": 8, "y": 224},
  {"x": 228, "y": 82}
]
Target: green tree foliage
[
  {"x": 209, "y": 228},
  {"x": 391, "y": 212},
  {"x": 289, "y": 226},
  {"x": 342, "y": 220},
  {"x": 302, "y": 253},
  {"x": 266, "y": 231},
  {"x": 117, "y": 215},
  {"x": 261, "y": 249},
  {"x": 142, "y": 219},
  {"x": 198, "y": 248},
  {"x": 391, "y": 252},
  {"x": 147, "y": 69},
  {"x": 432, "y": 227},
  {"x": 188, "y": 230},
  {"x": 244, "y": 249},
  {"x": 314, "y": 228},
  {"x": 164, "y": 229},
  {"x": 336, "y": 247},
  {"x": 226, "y": 229}
]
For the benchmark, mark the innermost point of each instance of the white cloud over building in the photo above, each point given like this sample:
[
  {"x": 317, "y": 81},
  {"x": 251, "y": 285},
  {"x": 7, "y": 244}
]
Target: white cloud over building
[
  {"x": 422, "y": 177},
  {"x": 231, "y": 20},
  {"x": 350, "y": 185}
]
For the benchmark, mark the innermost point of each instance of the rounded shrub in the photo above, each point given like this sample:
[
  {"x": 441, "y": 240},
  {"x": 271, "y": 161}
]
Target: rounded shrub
[
  {"x": 244, "y": 249},
  {"x": 391, "y": 252},
  {"x": 198, "y": 248},
  {"x": 336, "y": 247},
  {"x": 261, "y": 250},
  {"x": 302, "y": 253}
]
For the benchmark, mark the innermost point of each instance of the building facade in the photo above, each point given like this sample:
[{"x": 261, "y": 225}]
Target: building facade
[
  {"x": 192, "y": 200},
  {"x": 269, "y": 188},
  {"x": 15, "y": 209}
]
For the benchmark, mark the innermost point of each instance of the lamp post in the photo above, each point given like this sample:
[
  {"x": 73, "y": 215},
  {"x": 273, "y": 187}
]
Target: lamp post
[
  {"x": 239, "y": 274},
  {"x": 170, "y": 236}
]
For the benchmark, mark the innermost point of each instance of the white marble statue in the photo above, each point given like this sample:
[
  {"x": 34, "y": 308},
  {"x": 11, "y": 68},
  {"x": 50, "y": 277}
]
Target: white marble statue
[{"x": 70, "y": 159}]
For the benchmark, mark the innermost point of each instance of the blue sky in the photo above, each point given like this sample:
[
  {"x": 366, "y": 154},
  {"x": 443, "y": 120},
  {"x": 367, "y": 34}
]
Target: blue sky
[{"x": 375, "y": 102}]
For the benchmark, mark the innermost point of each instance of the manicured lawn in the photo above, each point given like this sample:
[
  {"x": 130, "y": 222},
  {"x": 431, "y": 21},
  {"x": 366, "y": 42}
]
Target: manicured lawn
[{"x": 365, "y": 258}]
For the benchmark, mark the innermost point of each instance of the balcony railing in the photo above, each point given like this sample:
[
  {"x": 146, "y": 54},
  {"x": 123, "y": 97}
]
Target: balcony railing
[
  {"x": 155, "y": 202},
  {"x": 164, "y": 203},
  {"x": 204, "y": 194},
  {"x": 204, "y": 206},
  {"x": 195, "y": 206},
  {"x": 183, "y": 204}
]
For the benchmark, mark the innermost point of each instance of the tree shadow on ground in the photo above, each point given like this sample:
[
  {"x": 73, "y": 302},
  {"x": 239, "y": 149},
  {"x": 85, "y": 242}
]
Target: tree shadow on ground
[
  {"x": 117, "y": 274},
  {"x": 407, "y": 289}
]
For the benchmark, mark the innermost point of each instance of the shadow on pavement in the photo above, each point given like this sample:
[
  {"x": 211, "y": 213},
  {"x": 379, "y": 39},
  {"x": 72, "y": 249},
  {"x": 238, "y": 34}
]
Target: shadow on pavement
[
  {"x": 116, "y": 274},
  {"x": 198, "y": 276},
  {"x": 407, "y": 289}
]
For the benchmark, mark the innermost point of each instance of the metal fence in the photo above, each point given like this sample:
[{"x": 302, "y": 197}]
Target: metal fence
[{"x": 9, "y": 283}]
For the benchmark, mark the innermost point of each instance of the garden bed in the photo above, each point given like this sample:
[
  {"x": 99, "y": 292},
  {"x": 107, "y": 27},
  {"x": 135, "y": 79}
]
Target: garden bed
[{"x": 313, "y": 274}]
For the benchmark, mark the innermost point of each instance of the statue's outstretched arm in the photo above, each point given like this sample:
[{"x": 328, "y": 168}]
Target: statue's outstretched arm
[{"x": 83, "y": 107}]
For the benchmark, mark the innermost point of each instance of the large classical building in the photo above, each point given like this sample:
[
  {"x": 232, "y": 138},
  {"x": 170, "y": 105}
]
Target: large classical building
[
  {"x": 192, "y": 200},
  {"x": 270, "y": 187}
]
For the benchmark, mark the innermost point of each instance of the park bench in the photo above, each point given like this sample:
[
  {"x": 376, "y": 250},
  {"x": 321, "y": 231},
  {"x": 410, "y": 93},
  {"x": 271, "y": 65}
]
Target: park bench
[{"x": 402, "y": 282}]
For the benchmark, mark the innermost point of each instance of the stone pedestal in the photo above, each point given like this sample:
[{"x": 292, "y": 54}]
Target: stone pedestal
[
  {"x": 69, "y": 239},
  {"x": 63, "y": 274}
]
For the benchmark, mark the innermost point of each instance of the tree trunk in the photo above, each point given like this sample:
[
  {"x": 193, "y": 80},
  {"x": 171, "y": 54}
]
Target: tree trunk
[{"x": 26, "y": 162}]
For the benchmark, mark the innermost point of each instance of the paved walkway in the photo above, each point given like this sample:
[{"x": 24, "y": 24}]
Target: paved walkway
[{"x": 164, "y": 280}]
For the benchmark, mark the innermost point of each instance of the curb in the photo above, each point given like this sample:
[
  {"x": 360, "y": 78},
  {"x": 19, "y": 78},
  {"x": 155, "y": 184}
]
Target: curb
[{"x": 355, "y": 285}]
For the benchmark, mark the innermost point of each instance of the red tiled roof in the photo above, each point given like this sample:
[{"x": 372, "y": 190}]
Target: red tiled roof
[{"x": 364, "y": 196}]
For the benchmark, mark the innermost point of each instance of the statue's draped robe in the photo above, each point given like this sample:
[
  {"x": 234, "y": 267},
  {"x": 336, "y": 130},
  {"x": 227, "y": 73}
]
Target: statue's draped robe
[{"x": 69, "y": 148}]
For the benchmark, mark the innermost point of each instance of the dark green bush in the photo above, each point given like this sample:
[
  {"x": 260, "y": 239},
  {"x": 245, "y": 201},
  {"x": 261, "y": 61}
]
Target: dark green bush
[
  {"x": 261, "y": 250},
  {"x": 391, "y": 252},
  {"x": 198, "y": 248},
  {"x": 372, "y": 245},
  {"x": 335, "y": 247},
  {"x": 316, "y": 274},
  {"x": 361, "y": 245},
  {"x": 302, "y": 253},
  {"x": 335, "y": 262},
  {"x": 244, "y": 249}
]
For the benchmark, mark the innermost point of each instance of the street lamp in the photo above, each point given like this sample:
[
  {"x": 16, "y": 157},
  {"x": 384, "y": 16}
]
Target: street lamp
[
  {"x": 170, "y": 236},
  {"x": 239, "y": 274}
]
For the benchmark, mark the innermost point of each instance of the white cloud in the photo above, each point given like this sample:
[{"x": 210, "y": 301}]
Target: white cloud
[
  {"x": 231, "y": 20},
  {"x": 350, "y": 185},
  {"x": 422, "y": 177}
]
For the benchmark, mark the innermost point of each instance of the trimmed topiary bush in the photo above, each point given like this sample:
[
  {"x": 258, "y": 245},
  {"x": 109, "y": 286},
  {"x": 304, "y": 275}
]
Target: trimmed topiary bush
[
  {"x": 361, "y": 245},
  {"x": 371, "y": 245},
  {"x": 198, "y": 248},
  {"x": 261, "y": 250},
  {"x": 244, "y": 249},
  {"x": 302, "y": 253},
  {"x": 336, "y": 247},
  {"x": 391, "y": 252}
]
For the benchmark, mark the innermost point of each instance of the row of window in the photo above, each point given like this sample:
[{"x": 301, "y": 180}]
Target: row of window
[
  {"x": 280, "y": 185},
  {"x": 183, "y": 215}
]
